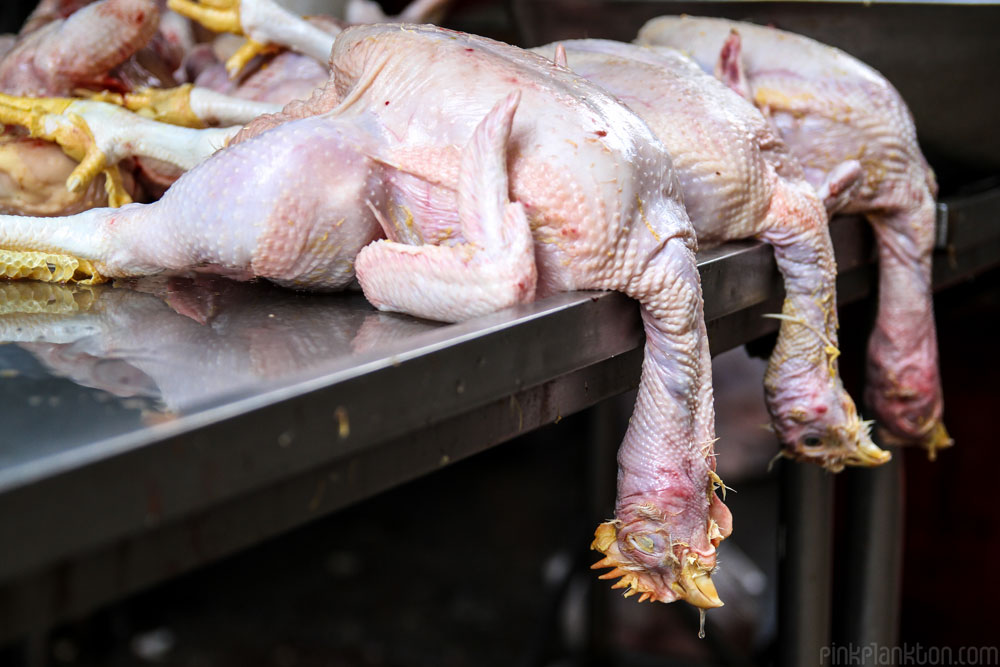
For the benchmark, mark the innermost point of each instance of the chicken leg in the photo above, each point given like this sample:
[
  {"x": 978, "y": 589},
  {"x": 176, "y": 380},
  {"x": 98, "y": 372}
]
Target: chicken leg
[
  {"x": 836, "y": 113},
  {"x": 740, "y": 182}
]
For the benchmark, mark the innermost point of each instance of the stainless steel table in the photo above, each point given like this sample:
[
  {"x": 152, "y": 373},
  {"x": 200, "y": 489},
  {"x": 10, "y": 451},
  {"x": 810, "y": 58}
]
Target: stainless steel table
[{"x": 152, "y": 428}]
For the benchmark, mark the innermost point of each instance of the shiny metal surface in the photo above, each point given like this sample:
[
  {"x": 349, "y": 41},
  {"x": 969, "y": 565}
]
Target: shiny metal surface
[
  {"x": 805, "y": 564},
  {"x": 272, "y": 385},
  {"x": 152, "y": 428},
  {"x": 873, "y": 573}
]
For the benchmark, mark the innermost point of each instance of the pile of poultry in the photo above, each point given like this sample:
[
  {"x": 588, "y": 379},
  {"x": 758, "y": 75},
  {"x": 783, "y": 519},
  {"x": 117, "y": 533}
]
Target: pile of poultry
[{"x": 452, "y": 176}]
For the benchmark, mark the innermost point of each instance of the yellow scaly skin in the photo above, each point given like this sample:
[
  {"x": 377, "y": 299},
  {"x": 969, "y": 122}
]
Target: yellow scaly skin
[
  {"x": 165, "y": 105},
  {"x": 692, "y": 579},
  {"x": 52, "y": 119},
  {"x": 224, "y": 16},
  {"x": 47, "y": 267}
]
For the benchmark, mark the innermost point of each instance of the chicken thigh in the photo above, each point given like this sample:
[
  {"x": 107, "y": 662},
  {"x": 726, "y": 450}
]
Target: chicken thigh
[
  {"x": 497, "y": 177},
  {"x": 856, "y": 139},
  {"x": 739, "y": 181}
]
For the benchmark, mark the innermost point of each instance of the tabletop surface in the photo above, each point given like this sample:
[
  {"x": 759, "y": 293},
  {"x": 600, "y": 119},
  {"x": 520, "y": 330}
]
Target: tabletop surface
[{"x": 128, "y": 410}]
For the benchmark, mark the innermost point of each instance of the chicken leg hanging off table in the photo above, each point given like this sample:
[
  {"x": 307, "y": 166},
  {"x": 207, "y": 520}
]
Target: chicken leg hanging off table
[
  {"x": 739, "y": 181},
  {"x": 839, "y": 116},
  {"x": 498, "y": 177}
]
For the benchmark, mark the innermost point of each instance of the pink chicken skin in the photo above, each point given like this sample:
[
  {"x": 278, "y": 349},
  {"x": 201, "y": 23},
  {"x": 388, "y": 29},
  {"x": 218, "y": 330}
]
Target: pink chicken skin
[
  {"x": 63, "y": 54},
  {"x": 856, "y": 140},
  {"x": 739, "y": 181},
  {"x": 497, "y": 178}
]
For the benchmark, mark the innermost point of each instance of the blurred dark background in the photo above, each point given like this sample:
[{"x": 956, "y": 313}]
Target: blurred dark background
[{"x": 13, "y": 13}]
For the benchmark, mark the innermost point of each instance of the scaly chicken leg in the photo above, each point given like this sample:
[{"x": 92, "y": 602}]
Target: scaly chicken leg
[
  {"x": 190, "y": 106},
  {"x": 100, "y": 135}
]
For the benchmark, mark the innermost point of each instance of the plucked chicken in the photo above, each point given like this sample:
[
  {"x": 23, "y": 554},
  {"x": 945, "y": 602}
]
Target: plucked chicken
[
  {"x": 497, "y": 177},
  {"x": 856, "y": 140},
  {"x": 739, "y": 181},
  {"x": 32, "y": 172},
  {"x": 55, "y": 54}
]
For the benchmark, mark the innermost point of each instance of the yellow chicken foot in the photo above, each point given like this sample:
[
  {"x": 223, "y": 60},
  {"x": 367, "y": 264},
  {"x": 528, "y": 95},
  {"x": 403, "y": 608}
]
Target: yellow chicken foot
[
  {"x": 216, "y": 15},
  {"x": 935, "y": 437},
  {"x": 223, "y": 16},
  {"x": 267, "y": 26},
  {"x": 99, "y": 135},
  {"x": 47, "y": 267},
  {"x": 188, "y": 106},
  {"x": 52, "y": 119},
  {"x": 166, "y": 105},
  {"x": 247, "y": 52}
]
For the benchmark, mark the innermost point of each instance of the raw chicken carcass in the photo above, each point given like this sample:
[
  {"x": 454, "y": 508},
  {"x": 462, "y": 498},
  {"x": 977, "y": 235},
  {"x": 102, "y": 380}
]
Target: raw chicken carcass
[
  {"x": 498, "y": 177},
  {"x": 31, "y": 172},
  {"x": 268, "y": 25},
  {"x": 847, "y": 124},
  {"x": 739, "y": 181},
  {"x": 138, "y": 63},
  {"x": 65, "y": 45},
  {"x": 158, "y": 154},
  {"x": 78, "y": 51}
]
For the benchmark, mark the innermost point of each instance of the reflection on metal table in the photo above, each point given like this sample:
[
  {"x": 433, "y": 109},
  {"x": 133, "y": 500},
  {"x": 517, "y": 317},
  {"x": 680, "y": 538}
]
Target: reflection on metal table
[{"x": 157, "y": 426}]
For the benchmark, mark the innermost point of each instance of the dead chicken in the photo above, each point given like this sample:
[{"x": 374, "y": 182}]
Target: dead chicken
[
  {"x": 856, "y": 139},
  {"x": 739, "y": 181},
  {"x": 63, "y": 54},
  {"x": 498, "y": 178},
  {"x": 31, "y": 172}
]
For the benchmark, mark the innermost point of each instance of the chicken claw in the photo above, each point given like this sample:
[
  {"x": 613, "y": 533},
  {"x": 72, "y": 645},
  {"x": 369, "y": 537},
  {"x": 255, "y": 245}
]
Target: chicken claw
[
  {"x": 266, "y": 25},
  {"x": 53, "y": 119},
  {"x": 692, "y": 580},
  {"x": 47, "y": 267},
  {"x": 188, "y": 106},
  {"x": 98, "y": 135},
  {"x": 934, "y": 438}
]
